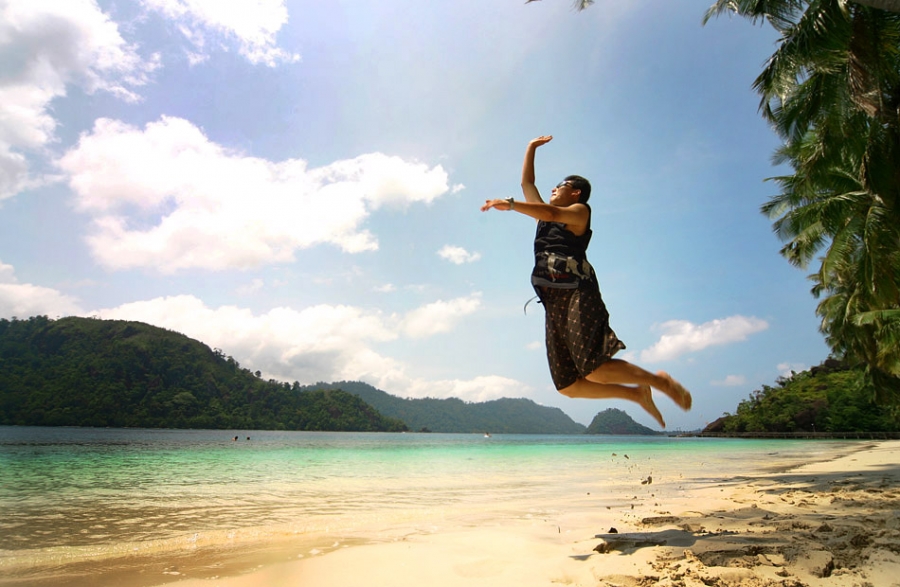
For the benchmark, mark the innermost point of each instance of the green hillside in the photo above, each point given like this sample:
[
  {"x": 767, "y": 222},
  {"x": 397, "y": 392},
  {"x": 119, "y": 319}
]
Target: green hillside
[
  {"x": 511, "y": 416},
  {"x": 86, "y": 372},
  {"x": 613, "y": 421},
  {"x": 829, "y": 398}
]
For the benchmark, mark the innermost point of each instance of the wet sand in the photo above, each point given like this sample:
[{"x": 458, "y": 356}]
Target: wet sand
[{"x": 834, "y": 523}]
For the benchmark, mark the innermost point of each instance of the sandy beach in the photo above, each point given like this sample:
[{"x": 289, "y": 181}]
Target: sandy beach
[{"x": 834, "y": 523}]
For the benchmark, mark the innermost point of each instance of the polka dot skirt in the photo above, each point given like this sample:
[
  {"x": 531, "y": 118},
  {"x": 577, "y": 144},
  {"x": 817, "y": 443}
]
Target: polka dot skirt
[{"x": 579, "y": 338}]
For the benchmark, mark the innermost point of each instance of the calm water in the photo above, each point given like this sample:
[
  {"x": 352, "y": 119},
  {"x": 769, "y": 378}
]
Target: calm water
[{"x": 72, "y": 495}]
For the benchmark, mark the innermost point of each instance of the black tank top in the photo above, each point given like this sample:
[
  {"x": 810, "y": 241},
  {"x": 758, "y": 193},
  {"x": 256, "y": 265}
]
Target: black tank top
[{"x": 560, "y": 257}]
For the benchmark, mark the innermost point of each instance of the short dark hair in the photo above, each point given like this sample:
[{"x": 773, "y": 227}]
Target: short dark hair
[{"x": 580, "y": 183}]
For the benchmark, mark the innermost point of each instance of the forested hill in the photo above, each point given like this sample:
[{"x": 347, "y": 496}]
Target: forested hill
[
  {"x": 829, "y": 398},
  {"x": 613, "y": 421},
  {"x": 513, "y": 416},
  {"x": 86, "y": 372}
]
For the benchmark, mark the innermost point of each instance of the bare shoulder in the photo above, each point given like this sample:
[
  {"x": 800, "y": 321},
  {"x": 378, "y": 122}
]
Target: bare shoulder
[{"x": 576, "y": 218}]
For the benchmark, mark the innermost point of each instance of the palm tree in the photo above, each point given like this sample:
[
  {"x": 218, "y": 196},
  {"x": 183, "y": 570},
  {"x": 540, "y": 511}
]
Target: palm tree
[
  {"x": 860, "y": 271},
  {"x": 832, "y": 92}
]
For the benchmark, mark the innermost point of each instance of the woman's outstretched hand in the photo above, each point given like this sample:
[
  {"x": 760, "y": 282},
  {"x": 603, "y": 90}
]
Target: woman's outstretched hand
[
  {"x": 543, "y": 140},
  {"x": 498, "y": 204}
]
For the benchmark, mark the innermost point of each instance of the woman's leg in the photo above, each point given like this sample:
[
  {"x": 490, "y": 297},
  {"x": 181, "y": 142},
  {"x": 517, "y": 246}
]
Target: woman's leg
[
  {"x": 617, "y": 371},
  {"x": 640, "y": 394}
]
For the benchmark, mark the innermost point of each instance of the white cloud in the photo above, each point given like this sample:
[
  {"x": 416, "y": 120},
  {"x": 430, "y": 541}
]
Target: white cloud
[
  {"x": 731, "y": 381},
  {"x": 319, "y": 343},
  {"x": 680, "y": 336},
  {"x": 253, "y": 23},
  {"x": 457, "y": 255},
  {"x": 167, "y": 197},
  {"x": 386, "y": 288},
  {"x": 13, "y": 171},
  {"x": 788, "y": 369},
  {"x": 248, "y": 289},
  {"x": 7, "y": 273},
  {"x": 24, "y": 300},
  {"x": 47, "y": 45},
  {"x": 535, "y": 345},
  {"x": 439, "y": 316}
]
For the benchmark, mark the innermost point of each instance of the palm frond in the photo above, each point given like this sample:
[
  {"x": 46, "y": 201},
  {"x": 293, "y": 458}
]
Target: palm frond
[
  {"x": 891, "y": 316},
  {"x": 778, "y": 13}
]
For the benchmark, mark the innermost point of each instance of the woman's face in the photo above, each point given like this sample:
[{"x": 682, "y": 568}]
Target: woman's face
[{"x": 564, "y": 194}]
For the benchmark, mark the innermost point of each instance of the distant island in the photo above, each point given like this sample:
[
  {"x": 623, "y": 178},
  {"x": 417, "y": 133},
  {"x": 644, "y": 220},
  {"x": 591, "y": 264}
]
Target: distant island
[
  {"x": 507, "y": 415},
  {"x": 614, "y": 421}
]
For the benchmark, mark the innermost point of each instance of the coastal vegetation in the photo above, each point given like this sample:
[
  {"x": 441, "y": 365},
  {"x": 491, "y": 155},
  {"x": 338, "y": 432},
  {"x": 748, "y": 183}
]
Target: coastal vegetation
[
  {"x": 825, "y": 399},
  {"x": 86, "y": 372}
]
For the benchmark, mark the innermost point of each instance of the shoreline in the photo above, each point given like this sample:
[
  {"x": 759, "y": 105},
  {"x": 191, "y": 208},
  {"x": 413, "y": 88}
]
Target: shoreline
[
  {"x": 834, "y": 523},
  {"x": 687, "y": 513}
]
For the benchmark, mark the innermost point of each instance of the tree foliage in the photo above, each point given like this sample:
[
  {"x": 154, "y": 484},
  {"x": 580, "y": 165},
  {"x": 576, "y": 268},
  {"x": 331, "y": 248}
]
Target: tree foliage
[
  {"x": 832, "y": 93},
  {"x": 828, "y": 398},
  {"x": 85, "y": 372}
]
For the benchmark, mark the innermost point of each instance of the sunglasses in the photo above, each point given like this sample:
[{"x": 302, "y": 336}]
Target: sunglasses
[{"x": 564, "y": 184}]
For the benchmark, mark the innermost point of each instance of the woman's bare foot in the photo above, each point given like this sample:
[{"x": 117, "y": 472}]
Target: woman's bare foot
[
  {"x": 676, "y": 391},
  {"x": 645, "y": 400}
]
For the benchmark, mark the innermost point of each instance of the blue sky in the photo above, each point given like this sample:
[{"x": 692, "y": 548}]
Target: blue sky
[{"x": 298, "y": 184}]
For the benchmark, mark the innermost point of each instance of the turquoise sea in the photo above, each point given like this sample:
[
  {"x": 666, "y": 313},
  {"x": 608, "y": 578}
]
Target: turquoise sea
[{"x": 78, "y": 502}]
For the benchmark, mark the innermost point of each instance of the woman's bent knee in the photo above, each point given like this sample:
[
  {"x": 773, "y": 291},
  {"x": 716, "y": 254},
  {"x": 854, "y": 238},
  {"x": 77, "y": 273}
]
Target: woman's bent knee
[{"x": 570, "y": 391}]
